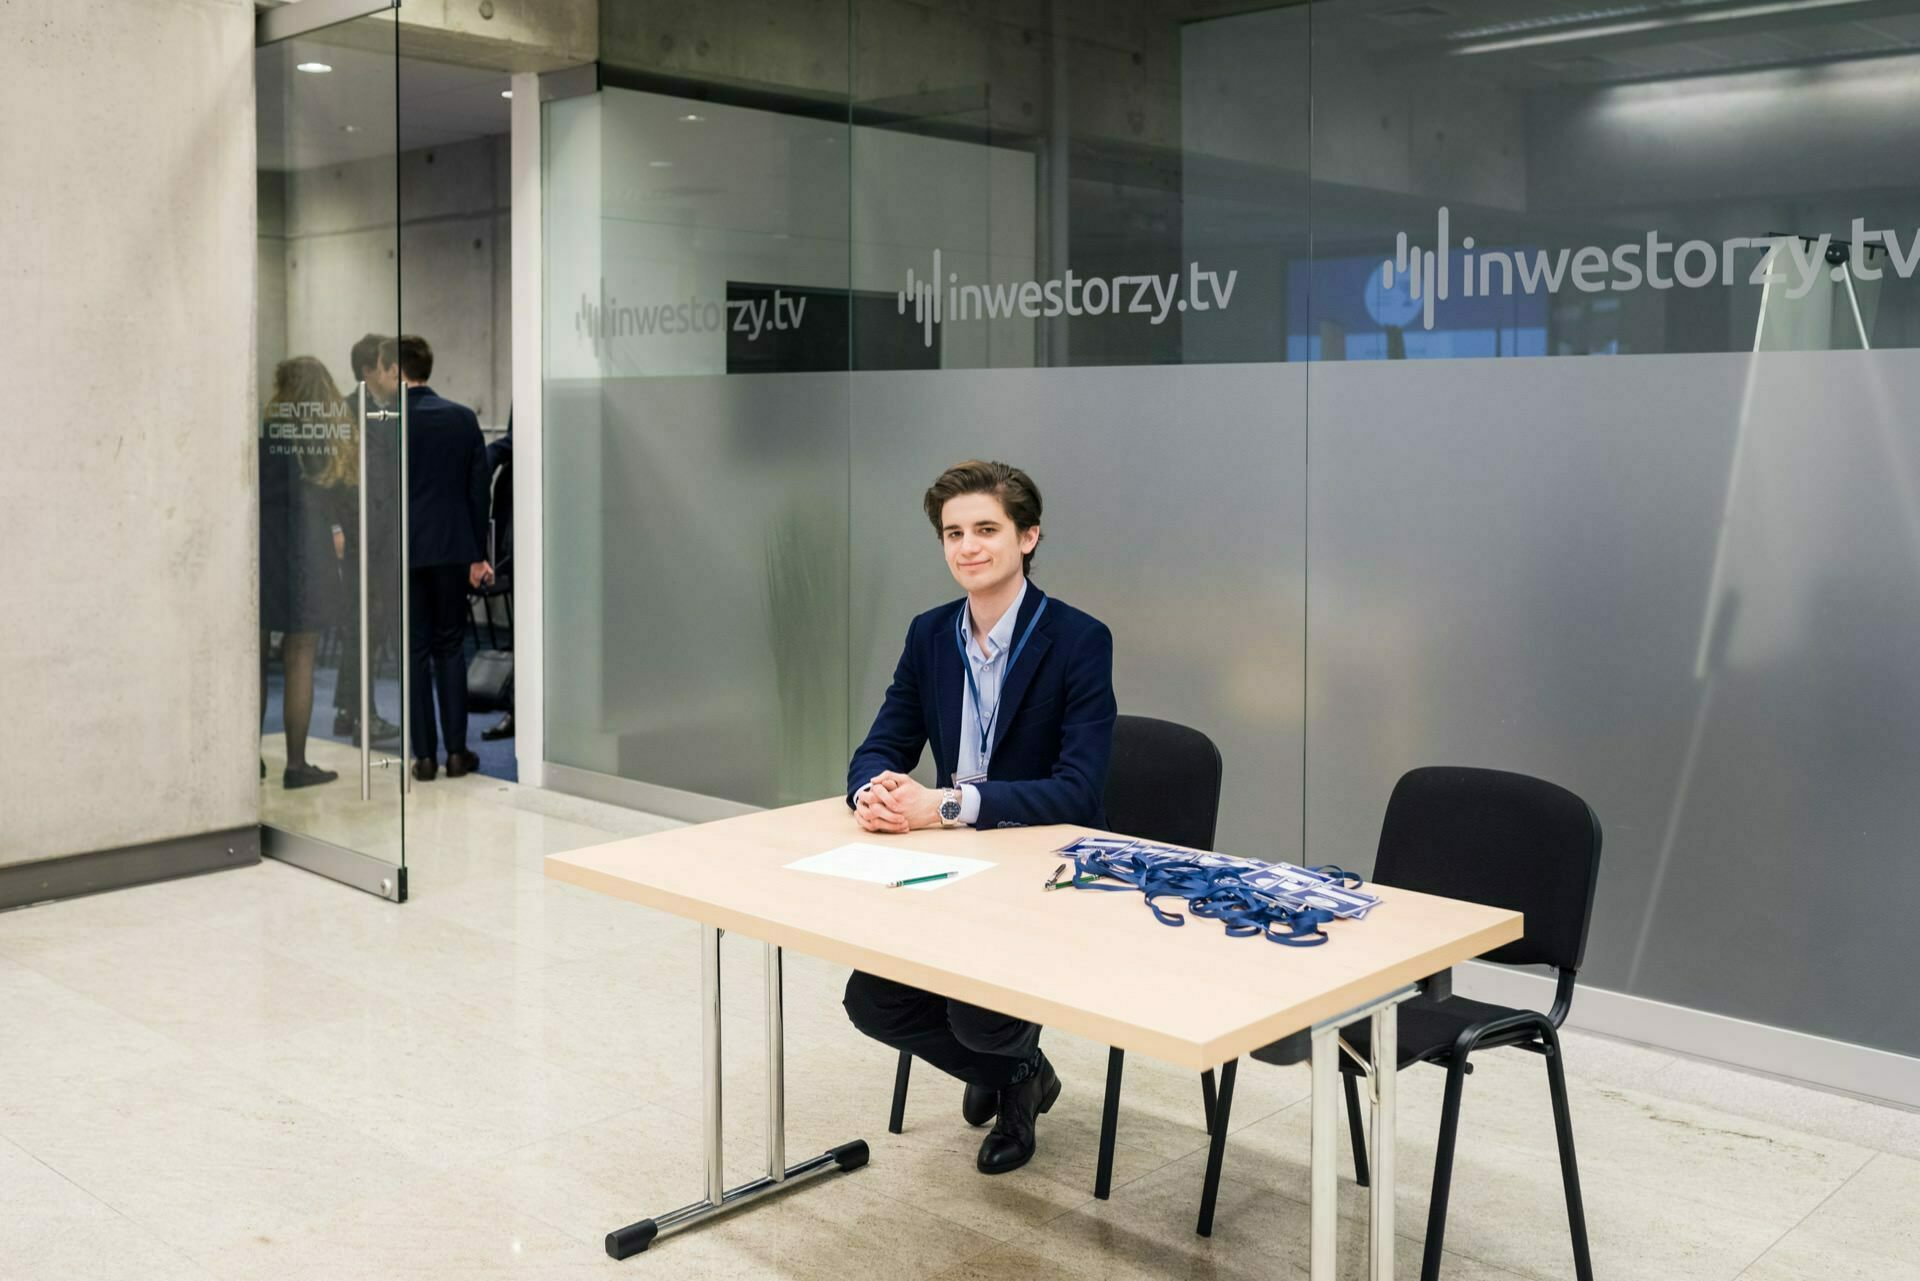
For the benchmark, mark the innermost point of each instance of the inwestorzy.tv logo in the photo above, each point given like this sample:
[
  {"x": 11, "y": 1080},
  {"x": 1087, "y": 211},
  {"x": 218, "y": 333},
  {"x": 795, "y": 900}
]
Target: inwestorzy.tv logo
[
  {"x": 943, "y": 298},
  {"x": 1794, "y": 262},
  {"x": 602, "y": 321}
]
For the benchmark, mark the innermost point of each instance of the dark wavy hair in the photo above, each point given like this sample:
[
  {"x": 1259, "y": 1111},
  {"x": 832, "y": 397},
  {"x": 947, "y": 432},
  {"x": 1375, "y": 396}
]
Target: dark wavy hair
[{"x": 1014, "y": 488}]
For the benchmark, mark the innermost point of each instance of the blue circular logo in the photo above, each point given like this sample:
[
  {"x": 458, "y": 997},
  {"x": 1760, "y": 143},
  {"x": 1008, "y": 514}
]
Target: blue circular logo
[{"x": 1393, "y": 307}]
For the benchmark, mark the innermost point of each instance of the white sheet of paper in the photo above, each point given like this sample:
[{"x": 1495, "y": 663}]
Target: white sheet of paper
[{"x": 881, "y": 864}]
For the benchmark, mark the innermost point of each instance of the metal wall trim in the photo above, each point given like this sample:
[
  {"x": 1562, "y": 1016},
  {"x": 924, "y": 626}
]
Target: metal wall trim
[
  {"x": 1864, "y": 1071},
  {"x": 648, "y": 798},
  {"x": 336, "y": 862},
  {"x": 70, "y": 876},
  {"x": 283, "y": 22}
]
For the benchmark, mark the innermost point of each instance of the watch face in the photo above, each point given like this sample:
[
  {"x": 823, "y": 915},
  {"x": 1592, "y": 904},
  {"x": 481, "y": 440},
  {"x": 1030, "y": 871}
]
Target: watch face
[{"x": 949, "y": 809}]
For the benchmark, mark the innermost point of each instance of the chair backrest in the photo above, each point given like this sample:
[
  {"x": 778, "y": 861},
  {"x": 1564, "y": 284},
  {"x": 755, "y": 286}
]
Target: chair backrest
[
  {"x": 1164, "y": 783},
  {"x": 1502, "y": 839}
]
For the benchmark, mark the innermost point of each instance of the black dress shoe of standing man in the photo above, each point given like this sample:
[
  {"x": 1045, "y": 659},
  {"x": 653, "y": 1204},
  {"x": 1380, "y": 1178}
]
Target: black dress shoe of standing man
[{"x": 1012, "y": 1141}]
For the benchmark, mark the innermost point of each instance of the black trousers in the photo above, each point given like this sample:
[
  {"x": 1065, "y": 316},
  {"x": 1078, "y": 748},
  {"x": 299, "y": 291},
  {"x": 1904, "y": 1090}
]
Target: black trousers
[
  {"x": 437, "y": 611},
  {"x": 978, "y": 1046}
]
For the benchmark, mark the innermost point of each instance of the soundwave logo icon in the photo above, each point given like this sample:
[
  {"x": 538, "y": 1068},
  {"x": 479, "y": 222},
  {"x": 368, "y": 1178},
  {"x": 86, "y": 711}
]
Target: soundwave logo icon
[
  {"x": 939, "y": 299},
  {"x": 1425, "y": 270},
  {"x": 1793, "y": 263}
]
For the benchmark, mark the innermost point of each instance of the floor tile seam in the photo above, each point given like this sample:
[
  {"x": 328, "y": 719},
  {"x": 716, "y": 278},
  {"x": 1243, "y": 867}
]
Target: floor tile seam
[
  {"x": 156, "y": 1232},
  {"x": 1805, "y": 1218},
  {"x": 166, "y": 1030},
  {"x": 74, "y": 993},
  {"x": 1754, "y": 1262},
  {"x": 72, "y": 1182}
]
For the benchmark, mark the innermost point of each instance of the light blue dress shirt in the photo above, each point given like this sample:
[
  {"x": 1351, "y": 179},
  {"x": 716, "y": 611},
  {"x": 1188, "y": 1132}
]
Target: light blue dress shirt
[{"x": 989, "y": 675}]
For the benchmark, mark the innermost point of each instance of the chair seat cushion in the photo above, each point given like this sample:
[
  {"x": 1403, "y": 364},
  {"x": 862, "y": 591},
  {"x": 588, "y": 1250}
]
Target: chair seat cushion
[{"x": 1428, "y": 1030}]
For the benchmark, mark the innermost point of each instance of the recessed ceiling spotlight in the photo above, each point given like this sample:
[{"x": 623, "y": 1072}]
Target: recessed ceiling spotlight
[
  {"x": 349, "y": 128},
  {"x": 317, "y": 68},
  {"x": 692, "y": 119},
  {"x": 659, "y": 164},
  {"x": 506, "y": 93}
]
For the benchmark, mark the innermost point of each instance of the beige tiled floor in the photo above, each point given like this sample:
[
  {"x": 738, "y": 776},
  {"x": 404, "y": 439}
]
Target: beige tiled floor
[{"x": 262, "y": 1074}]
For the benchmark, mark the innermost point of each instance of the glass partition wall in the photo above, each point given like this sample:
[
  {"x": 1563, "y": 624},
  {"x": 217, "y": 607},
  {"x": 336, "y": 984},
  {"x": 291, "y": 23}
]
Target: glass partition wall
[
  {"x": 1512, "y": 385},
  {"x": 332, "y": 473}
]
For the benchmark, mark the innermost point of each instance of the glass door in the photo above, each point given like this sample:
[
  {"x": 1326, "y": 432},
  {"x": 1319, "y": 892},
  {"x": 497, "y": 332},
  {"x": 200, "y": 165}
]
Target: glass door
[{"x": 333, "y": 635}]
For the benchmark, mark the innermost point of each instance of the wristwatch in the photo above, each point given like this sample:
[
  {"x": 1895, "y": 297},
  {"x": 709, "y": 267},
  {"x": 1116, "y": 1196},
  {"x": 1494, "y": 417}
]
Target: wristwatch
[{"x": 950, "y": 808}]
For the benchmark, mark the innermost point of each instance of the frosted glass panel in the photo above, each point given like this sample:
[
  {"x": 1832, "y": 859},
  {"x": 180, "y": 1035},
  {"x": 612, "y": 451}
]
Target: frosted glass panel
[
  {"x": 696, "y": 483},
  {"x": 1173, "y": 514},
  {"x": 1698, "y": 615}
]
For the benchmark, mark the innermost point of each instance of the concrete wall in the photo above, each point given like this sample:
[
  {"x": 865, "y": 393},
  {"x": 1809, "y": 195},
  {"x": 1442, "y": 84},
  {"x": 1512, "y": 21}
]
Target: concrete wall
[
  {"x": 128, "y": 646},
  {"x": 326, "y": 250}
]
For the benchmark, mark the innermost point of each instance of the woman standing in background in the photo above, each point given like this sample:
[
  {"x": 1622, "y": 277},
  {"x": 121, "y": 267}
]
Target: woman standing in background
[{"x": 309, "y": 472}]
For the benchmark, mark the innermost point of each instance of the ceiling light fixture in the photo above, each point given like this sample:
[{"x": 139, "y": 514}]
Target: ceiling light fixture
[
  {"x": 349, "y": 128},
  {"x": 315, "y": 68},
  {"x": 692, "y": 119},
  {"x": 1670, "y": 23},
  {"x": 659, "y": 164},
  {"x": 506, "y": 93}
]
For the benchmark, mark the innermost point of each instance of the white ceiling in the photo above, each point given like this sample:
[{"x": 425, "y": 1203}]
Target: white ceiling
[{"x": 370, "y": 104}]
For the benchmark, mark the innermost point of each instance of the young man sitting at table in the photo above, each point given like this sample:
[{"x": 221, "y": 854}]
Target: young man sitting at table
[{"x": 1014, "y": 690}]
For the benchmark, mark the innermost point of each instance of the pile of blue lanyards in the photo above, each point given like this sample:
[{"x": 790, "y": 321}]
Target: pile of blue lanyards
[{"x": 1211, "y": 893}]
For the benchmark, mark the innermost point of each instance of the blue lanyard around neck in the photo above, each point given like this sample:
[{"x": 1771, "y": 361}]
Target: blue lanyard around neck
[{"x": 980, "y": 719}]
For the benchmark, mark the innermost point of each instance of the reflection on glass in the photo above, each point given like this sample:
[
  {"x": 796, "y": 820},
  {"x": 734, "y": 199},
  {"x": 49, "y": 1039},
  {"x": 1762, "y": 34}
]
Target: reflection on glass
[
  {"x": 309, "y": 478},
  {"x": 329, "y": 496},
  {"x": 1396, "y": 522}
]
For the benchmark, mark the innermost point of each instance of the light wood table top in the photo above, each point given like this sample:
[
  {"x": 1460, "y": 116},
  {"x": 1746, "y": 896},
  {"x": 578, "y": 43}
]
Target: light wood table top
[{"x": 1095, "y": 964}]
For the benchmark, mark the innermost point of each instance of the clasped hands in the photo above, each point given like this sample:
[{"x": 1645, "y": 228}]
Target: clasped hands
[{"x": 893, "y": 802}]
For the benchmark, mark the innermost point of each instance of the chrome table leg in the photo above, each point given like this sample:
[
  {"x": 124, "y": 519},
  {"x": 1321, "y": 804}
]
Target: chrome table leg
[{"x": 719, "y": 1199}]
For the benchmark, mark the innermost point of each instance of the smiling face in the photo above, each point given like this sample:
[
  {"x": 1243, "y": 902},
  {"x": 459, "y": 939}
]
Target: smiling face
[{"x": 983, "y": 549}]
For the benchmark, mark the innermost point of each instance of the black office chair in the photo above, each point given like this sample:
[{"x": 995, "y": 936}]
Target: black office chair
[
  {"x": 1163, "y": 785},
  {"x": 1509, "y": 841}
]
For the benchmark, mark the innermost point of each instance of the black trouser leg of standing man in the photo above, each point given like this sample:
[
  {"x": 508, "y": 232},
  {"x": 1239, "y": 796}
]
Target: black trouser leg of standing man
[{"x": 437, "y": 605}]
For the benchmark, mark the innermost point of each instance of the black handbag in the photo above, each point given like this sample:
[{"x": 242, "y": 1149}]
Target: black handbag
[{"x": 490, "y": 681}]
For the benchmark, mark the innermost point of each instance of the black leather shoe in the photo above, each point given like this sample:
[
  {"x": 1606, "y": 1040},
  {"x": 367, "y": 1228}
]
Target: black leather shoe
[
  {"x": 425, "y": 768},
  {"x": 979, "y": 1104},
  {"x": 503, "y": 730},
  {"x": 385, "y": 732},
  {"x": 306, "y": 776},
  {"x": 461, "y": 764},
  {"x": 1012, "y": 1141}
]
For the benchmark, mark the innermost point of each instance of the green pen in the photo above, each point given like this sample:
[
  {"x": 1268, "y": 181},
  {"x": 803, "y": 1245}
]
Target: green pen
[{"x": 920, "y": 880}]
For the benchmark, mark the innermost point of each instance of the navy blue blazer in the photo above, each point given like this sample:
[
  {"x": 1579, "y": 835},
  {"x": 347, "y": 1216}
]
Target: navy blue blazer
[
  {"x": 1053, "y": 734},
  {"x": 447, "y": 477}
]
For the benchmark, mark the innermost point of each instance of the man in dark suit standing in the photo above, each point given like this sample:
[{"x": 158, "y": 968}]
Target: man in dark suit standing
[
  {"x": 446, "y": 540},
  {"x": 1014, "y": 690}
]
